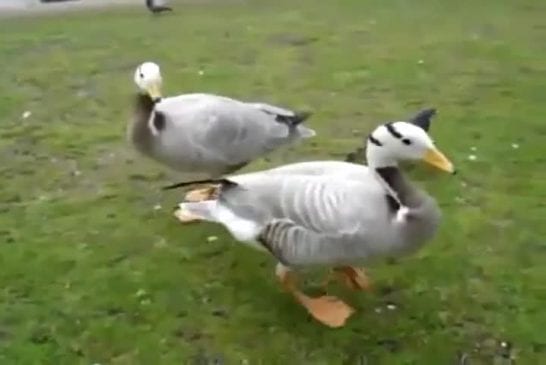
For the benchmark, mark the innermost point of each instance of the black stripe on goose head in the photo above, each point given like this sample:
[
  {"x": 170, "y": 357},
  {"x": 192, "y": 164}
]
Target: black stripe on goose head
[
  {"x": 423, "y": 118},
  {"x": 393, "y": 131},
  {"x": 374, "y": 140}
]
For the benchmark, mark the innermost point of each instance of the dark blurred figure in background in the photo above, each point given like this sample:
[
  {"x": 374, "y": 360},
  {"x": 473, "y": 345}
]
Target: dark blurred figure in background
[{"x": 157, "y": 6}]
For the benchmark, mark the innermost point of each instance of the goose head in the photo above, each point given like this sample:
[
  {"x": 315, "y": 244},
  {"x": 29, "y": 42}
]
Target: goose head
[
  {"x": 148, "y": 79},
  {"x": 393, "y": 142}
]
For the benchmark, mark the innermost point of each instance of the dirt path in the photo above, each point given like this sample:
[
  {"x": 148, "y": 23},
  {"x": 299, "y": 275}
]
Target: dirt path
[{"x": 35, "y": 7}]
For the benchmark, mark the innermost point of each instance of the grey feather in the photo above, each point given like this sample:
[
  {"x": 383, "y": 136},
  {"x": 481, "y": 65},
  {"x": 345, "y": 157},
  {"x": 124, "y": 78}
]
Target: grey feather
[
  {"x": 296, "y": 245},
  {"x": 213, "y": 135}
]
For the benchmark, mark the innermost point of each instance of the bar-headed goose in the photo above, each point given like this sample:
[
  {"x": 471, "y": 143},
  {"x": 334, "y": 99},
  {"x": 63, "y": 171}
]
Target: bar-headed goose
[
  {"x": 157, "y": 6},
  {"x": 206, "y": 134},
  {"x": 334, "y": 213}
]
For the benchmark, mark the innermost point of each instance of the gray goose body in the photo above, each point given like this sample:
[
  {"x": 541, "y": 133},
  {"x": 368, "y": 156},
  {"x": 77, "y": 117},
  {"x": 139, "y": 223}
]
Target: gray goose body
[
  {"x": 210, "y": 134},
  {"x": 310, "y": 218}
]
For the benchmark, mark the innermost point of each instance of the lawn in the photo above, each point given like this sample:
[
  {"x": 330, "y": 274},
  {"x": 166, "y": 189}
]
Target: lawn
[{"x": 94, "y": 268}]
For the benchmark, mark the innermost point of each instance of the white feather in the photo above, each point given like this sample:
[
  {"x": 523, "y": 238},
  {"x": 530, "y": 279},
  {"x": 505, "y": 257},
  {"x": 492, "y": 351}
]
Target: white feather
[
  {"x": 152, "y": 127},
  {"x": 241, "y": 229},
  {"x": 401, "y": 214}
]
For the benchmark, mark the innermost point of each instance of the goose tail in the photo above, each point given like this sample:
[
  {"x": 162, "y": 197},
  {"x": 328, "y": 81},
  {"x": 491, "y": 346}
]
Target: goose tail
[
  {"x": 304, "y": 132},
  {"x": 296, "y": 123}
]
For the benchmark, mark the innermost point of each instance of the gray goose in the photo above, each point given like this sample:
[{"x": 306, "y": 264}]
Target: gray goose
[
  {"x": 157, "y": 6},
  {"x": 206, "y": 134},
  {"x": 332, "y": 213}
]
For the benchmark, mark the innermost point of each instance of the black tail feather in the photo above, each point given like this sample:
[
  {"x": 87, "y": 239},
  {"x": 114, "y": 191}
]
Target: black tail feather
[
  {"x": 301, "y": 117},
  {"x": 224, "y": 182},
  {"x": 294, "y": 120}
]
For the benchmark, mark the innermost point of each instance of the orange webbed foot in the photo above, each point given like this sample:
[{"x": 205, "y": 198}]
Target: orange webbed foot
[{"x": 186, "y": 217}]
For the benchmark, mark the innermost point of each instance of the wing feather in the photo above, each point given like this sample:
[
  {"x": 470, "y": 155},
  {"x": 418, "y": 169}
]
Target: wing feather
[
  {"x": 315, "y": 202},
  {"x": 223, "y": 130}
]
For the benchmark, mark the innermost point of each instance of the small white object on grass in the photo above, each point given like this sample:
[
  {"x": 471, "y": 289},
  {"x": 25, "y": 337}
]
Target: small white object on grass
[
  {"x": 472, "y": 157},
  {"x": 515, "y": 146},
  {"x": 141, "y": 293},
  {"x": 160, "y": 243},
  {"x": 391, "y": 306},
  {"x": 420, "y": 62},
  {"x": 473, "y": 148},
  {"x": 26, "y": 114},
  {"x": 201, "y": 72},
  {"x": 212, "y": 238},
  {"x": 157, "y": 207}
]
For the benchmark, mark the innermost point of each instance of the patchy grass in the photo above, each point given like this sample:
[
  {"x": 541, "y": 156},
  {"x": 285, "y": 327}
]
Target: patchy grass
[{"x": 95, "y": 269}]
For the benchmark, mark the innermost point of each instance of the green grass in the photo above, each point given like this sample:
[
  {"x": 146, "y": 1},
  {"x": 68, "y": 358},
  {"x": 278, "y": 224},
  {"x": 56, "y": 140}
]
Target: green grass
[{"x": 91, "y": 270}]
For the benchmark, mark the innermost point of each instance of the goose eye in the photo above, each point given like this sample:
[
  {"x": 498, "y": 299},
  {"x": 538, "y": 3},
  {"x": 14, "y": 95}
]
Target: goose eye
[
  {"x": 406, "y": 141},
  {"x": 141, "y": 75}
]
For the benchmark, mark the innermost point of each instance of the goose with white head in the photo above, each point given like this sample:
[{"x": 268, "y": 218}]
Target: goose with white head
[
  {"x": 333, "y": 213},
  {"x": 206, "y": 135}
]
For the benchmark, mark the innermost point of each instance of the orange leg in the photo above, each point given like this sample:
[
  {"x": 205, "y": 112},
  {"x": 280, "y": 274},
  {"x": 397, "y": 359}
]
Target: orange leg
[
  {"x": 198, "y": 195},
  {"x": 328, "y": 310},
  {"x": 354, "y": 278},
  {"x": 186, "y": 217}
]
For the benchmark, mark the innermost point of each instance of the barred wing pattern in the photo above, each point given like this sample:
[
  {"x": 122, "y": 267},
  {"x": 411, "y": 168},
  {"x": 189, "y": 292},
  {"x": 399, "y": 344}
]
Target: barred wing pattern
[
  {"x": 216, "y": 132},
  {"x": 306, "y": 219}
]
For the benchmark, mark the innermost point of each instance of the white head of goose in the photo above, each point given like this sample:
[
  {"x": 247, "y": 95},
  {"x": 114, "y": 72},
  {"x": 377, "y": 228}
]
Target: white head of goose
[
  {"x": 397, "y": 141},
  {"x": 149, "y": 81},
  {"x": 204, "y": 134},
  {"x": 334, "y": 213}
]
